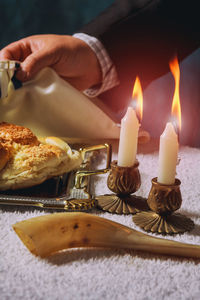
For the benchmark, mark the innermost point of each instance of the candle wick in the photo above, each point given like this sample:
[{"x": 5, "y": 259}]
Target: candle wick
[
  {"x": 174, "y": 122},
  {"x": 134, "y": 105}
]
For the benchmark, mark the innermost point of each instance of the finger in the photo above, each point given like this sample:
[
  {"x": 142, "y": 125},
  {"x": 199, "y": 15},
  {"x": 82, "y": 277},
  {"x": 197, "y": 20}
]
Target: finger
[
  {"x": 34, "y": 63},
  {"x": 16, "y": 51}
]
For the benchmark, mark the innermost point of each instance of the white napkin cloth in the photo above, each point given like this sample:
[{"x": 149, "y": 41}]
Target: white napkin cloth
[{"x": 48, "y": 105}]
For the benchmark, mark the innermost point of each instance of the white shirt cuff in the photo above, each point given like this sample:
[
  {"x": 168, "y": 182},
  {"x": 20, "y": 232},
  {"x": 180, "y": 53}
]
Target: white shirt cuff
[{"x": 109, "y": 73}]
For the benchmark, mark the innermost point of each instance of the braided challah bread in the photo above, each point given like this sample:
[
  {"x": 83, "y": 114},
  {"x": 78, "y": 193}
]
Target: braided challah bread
[{"x": 26, "y": 161}]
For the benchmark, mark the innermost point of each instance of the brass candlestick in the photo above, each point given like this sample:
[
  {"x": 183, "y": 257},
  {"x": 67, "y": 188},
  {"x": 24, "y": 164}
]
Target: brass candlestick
[
  {"x": 163, "y": 200},
  {"x": 123, "y": 181}
]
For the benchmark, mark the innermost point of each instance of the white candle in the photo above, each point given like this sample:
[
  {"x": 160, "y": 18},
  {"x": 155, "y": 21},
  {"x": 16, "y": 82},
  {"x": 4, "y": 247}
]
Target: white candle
[
  {"x": 168, "y": 153},
  {"x": 128, "y": 139}
]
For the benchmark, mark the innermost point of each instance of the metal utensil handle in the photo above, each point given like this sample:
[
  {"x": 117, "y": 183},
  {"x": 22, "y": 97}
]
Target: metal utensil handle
[{"x": 81, "y": 173}]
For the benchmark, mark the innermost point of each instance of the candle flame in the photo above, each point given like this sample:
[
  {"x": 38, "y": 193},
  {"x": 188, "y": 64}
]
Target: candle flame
[
  {"x": 137, "y": 97},
  {"x": 176, "y": 107}
]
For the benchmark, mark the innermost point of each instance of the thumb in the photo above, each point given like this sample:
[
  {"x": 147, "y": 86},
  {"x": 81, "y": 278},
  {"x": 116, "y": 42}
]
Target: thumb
[{"x": 33, "y": 64}]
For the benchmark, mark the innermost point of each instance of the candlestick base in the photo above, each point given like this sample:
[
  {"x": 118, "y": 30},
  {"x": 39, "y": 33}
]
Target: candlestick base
[
  {"x": 163, "y": 200},
  {"x": 155, "y": 223},
  {"x": 123, "y": 181},
  {"x": 115, "y": 204}
]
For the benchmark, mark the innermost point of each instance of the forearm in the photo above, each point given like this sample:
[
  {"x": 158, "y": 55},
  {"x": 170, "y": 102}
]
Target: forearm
[
  {"x": 142, "y": 36},
  {"x": 146, "y": 34}
]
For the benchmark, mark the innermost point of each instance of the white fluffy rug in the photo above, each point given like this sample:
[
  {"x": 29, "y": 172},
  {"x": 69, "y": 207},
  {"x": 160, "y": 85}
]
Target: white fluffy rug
[{"x": 106, "y": 274}]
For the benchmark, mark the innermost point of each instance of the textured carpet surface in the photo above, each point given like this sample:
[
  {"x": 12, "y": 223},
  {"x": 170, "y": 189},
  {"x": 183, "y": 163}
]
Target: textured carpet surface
[{"x": 106, "y": 274}]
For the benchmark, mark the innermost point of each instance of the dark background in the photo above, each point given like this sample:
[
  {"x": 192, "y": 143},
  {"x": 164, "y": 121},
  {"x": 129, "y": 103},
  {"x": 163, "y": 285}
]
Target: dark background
[{"x": 20, "y": 18}]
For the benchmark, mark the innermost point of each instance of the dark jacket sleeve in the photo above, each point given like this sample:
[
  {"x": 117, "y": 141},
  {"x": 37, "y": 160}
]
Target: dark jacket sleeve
[{"x": 141, "y": 36}]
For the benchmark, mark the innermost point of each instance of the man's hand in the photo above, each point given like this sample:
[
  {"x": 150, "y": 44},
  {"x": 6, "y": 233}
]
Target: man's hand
[{"x": 70, "y": 57}]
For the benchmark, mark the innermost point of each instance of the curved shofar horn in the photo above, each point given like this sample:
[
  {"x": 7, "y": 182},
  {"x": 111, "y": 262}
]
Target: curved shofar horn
[{"x": 48, "y": 234}]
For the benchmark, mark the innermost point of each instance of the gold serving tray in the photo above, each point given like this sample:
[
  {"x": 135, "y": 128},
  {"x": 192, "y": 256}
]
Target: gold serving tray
[{"x": 70, "y": 192}]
